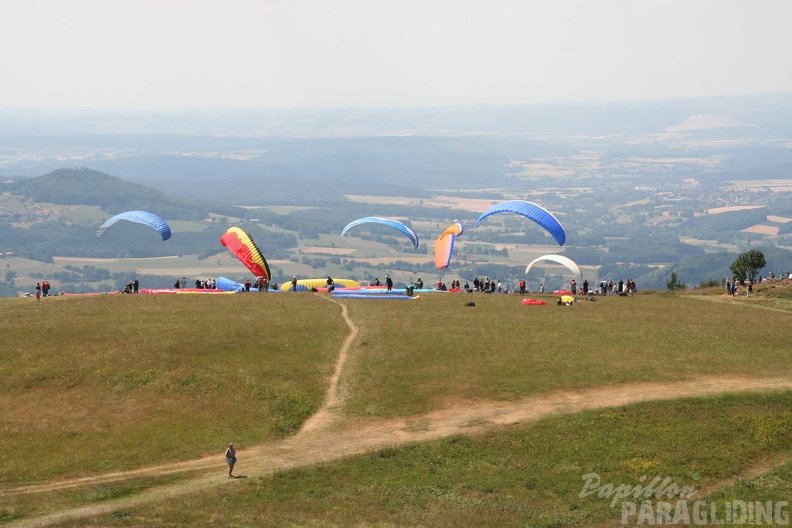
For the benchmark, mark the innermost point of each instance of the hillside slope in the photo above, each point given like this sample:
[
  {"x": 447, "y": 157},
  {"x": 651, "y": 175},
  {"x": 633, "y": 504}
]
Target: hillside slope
[{"x": 82, "y": 186}]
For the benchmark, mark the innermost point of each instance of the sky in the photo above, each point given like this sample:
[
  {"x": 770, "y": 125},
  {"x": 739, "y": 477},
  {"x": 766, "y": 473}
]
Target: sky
[{"x": 188, "y": 54}]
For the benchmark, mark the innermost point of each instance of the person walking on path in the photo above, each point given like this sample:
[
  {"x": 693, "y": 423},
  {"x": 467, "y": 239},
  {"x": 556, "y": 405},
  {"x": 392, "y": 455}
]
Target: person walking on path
[{"x": 230, "y": 456}]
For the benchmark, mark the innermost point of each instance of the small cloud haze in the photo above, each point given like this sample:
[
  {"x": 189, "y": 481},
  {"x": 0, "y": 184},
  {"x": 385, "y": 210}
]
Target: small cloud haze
[{"x": 181, "y": 54}]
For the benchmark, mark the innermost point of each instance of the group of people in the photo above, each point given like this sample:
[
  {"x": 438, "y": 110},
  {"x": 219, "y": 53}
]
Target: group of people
[
  {"x": 200, "y": 284},
  {"x": 132, "y": 286},
  {"x": 608, "y": 287},
  {"x": 484, "y": 285},
  {"x": 389, "y": 283},
  {"x": 733, "y": 286},
  {"x": 42, "y": 289}
]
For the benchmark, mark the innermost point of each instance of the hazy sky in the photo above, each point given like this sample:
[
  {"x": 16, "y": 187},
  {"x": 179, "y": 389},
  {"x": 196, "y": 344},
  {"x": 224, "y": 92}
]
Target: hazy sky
[{"x": 175, "y": 54}]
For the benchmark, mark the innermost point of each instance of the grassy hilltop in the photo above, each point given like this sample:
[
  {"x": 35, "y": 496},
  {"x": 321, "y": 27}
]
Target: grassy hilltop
[{"x": 102, "y": 384}]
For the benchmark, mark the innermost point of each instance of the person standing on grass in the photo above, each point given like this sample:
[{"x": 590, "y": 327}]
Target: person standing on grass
[
  {"x": 230, "y": 456},
  {"x": 294, "y": 283},
  {"x": 38, "y": 291}
]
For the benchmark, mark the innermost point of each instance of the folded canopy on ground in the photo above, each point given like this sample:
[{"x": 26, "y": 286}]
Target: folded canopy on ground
[{"x": 307, "y": 284}]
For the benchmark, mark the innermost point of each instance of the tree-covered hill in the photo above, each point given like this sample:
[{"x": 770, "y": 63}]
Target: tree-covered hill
[
  {"x": 82, "y": 186},
  {"x": 695, "y": 270}
]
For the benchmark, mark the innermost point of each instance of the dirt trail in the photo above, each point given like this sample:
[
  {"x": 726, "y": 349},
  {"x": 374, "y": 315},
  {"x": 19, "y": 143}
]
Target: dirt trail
[
  {"x": 316, "y": 444},
  {"x": 324, "y": 417}
]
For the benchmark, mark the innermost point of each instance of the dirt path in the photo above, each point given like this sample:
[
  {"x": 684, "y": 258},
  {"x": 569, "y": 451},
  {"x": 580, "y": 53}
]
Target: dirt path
[
  {"x": 325, "y": 416},
  {"x": 315, "y": 443}
]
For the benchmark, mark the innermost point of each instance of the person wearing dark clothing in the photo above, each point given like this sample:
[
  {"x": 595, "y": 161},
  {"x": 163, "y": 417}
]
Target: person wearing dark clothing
[
  {"x": 136, "y": 286},
  {"x": 330, "y": 284},
  {"x": 247, "y": 285},
  {"x": 294, "y": 283},
  {"x": 389, "y": 282},
  {"x": 177, "y": 284},
  {"x": 585, "y": 287}
]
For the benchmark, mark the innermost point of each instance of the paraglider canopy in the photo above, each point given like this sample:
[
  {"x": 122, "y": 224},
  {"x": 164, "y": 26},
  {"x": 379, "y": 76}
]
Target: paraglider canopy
[
  {"x": 242, "y": 246},
  {"x": 141, "y": 217},
  {"x": 384, "y": 221},
  {"x": 444, "y": 245},
  {"x": 529, "y": 210},
  {"x": 570, "y": 264}
]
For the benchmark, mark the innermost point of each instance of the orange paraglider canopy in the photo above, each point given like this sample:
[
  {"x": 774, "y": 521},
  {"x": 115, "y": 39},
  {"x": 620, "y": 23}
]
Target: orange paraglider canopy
[{"x": 444, "y": 245}]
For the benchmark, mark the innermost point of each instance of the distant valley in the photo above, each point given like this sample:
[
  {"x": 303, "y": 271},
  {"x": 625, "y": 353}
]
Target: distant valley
[{"x": 642, "y": 189}]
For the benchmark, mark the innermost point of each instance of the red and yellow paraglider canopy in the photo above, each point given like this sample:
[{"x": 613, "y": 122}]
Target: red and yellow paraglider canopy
[{"x": 241, "y": 244}]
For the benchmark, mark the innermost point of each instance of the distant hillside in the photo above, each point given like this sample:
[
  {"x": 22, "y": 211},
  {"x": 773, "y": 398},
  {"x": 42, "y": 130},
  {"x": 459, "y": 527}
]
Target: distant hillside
[
  {"x": 83, "y": 186},
  {"x": 695, "y": 270},
  {"x": 327, "y": 168}
]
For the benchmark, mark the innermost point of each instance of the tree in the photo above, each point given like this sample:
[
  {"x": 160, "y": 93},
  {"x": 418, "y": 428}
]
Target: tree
[
  {"x": 674, "y": 283},
  {"x": 748, "y": 264}
]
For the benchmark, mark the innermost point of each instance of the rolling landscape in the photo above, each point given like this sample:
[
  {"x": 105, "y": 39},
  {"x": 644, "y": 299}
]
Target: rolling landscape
[
  {"x": 390, "y": 264},
  {"x": 667, "y": 186},
  {"x": 452, "y": 410}
]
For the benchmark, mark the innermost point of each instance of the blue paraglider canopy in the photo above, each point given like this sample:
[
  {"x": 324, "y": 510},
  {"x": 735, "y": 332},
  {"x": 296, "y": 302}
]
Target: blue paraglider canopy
[
  {"x": 384, "y": 221},
  {"x": 529, "y": 210},
  {"x": 141, "y": 217}
]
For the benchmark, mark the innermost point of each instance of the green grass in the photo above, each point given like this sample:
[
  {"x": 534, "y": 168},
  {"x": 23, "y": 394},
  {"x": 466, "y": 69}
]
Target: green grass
[
  {"x": 31, "y": 505},
  {"x": 774, "y": 486},
  {"x": 186, "y": 226},
  {"x": 117, "y": 382},
  {"x": 444, "y": 351},
  {"x": 97, "y": 384},
  {"x": 517, "y": 476}
]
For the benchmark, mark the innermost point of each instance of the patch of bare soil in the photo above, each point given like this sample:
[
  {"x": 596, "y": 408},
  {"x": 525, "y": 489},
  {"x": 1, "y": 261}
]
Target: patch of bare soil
[{"x": 325, "y": 438}]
